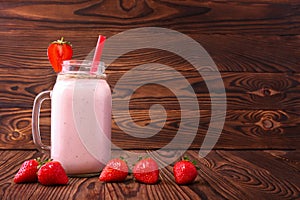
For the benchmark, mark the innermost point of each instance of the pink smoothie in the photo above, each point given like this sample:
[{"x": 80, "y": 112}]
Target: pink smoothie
[{"x": 81, "y": 124}]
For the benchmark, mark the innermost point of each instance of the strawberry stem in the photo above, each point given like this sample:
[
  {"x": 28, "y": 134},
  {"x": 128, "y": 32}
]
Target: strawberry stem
[
  {"x": 140, "y": 158},
  {"x": 194, "y": 162},
  {"x": 42, "y": 162},
  {"x": 186, "y": 158},
  {"x": 61, "y": 41}
]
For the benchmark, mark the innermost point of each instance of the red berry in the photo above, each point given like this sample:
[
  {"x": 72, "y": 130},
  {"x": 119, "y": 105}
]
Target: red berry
[
  {"x": 57, "y": 52},
  {"x": 116, "y": 170},
  {"x": 185, "y": 172},
  {"x": 27, "y": 172},
  {"x": 146, "y": 171},
  {"x": 52, "y": 173}
]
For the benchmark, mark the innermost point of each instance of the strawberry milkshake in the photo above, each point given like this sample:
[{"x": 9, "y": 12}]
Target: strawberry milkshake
[{"x": 81, "y": 119}]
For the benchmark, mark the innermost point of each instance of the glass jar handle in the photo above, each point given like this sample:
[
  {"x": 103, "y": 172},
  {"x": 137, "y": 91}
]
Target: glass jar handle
[{"x": 36, "y": 120}]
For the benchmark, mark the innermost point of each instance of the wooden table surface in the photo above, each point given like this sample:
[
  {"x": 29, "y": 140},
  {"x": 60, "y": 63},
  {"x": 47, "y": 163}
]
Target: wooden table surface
[{"x": 223, "y": 174}]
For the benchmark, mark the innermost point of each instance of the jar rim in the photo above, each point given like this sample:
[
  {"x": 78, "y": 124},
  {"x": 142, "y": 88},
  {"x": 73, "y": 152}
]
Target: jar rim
[
  {"x": 81, "y": 62},
  {"x": 83, "y": 66}
]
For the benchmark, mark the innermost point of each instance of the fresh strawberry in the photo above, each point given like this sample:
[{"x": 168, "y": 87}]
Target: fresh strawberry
[
  {"x": 146, "y": 171},
  {"x": 185, "y": 172},
  {"x": 27, "y": 172},
  {"x": 52, "y": 173},
  {"x": 58, "y": 51},
  {"x": 116, "y": 170}
]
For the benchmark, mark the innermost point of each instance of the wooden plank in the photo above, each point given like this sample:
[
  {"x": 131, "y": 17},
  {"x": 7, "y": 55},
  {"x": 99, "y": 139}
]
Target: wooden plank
[
  {"x": 243, "y": 90},
  {"x": 231, "y": 53},
  {"x": 217, "y": 17},
  {"x": 247, "y": 36},
  {"x": 243, "y": 129},
  {"x": 15, "y": 128},
  {"x": 19, "y": 87},
  {"x": 222, "y": 175},
  {"x": 291, "y": 158},
  {"x": 245, "y": 170},
  {"x": 272, "y": 166}
]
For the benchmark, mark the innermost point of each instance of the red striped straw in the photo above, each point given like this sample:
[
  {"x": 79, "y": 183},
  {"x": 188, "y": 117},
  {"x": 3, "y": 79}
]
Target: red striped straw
[{"x": 98, "y": 53}]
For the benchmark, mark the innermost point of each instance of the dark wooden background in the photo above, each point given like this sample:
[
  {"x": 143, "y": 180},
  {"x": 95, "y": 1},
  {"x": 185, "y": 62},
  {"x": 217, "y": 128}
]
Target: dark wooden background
[{"x": 255, "y": 45}]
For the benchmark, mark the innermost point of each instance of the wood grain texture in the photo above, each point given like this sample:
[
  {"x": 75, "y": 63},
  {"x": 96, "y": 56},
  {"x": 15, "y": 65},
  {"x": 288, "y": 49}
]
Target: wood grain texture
[
  {"x": 263, "y": 18},
  {"x": 243, "y": 129},
  {"x": 288, "y": 157},
  {"x": 251, "y": 173},
  {"x": 239, "y": 35},
  {"x": 222, "y": 175},
  {"x": 243, "y": 90},
  {"x": 232, "y": 53},
  {"x": 255, "y": 46},
  {"x": 276, "y": 96}
]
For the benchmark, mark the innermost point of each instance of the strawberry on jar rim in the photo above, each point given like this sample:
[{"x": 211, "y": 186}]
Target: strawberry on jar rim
[{"x": 57, "y": 52}]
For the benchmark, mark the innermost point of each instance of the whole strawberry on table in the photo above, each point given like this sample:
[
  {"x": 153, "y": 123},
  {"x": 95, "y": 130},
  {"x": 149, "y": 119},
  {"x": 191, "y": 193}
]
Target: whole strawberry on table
[
  {"x": 185, "y": 171},
  {"x": 28, "y": 172},
  {"x": 52, "y": 173},
  {"x": 146, "y": 171},
  {"x": 116, "y": 170}
]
